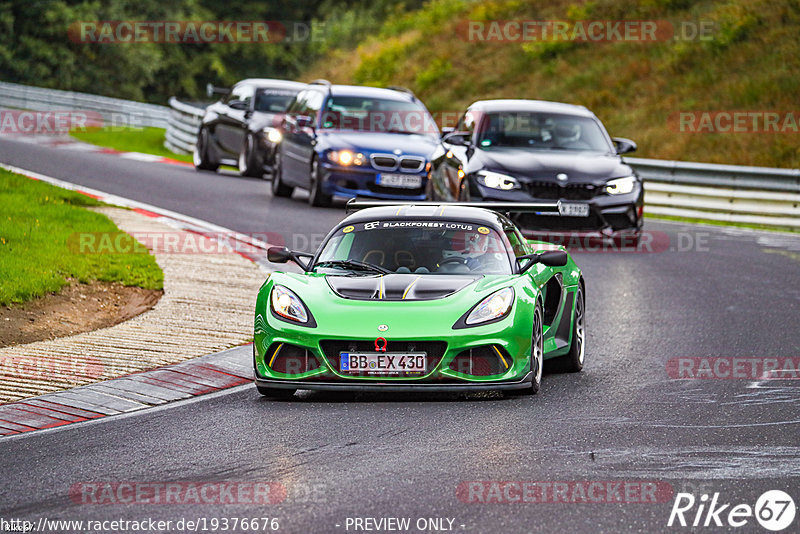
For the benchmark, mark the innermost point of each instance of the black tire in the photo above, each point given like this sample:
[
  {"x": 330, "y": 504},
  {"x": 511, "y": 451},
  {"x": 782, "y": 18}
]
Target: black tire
[
  {"x": 537, "y": 356},
  {"x": 275, "y": 393},
  {"x": 572, "y": 362},
  {"x": 200, "y": 155},
  {"x": 315, "y": 195},
  {"x": 279, "y": 189},
  {"x": 249, "y": 162}
]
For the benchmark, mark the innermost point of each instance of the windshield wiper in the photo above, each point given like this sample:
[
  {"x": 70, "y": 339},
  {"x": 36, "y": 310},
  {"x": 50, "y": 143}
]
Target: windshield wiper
[{"x": 354, "y": 265}]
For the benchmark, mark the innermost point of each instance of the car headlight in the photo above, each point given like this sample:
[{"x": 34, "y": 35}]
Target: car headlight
[
  {"x": 346, "y": 157},
  {"x": 620, "y": 186},
  {"x": 495, "y": 306},
  {"x": 288, "y": 305},
  {"x": 273, "y": 135},
  {"x": 496, "y": 180}
]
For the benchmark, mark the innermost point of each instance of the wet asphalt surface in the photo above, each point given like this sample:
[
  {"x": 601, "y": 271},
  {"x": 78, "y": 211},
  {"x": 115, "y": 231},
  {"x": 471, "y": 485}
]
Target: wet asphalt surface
[{"x": 701, "y": 292}]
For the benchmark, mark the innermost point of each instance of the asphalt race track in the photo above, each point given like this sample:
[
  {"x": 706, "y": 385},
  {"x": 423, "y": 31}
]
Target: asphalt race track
[{"x": 706, "y": 292}]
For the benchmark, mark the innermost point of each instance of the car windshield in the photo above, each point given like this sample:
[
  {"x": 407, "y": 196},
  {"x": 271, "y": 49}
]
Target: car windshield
[
  {"x": 541, "y": 131},
  {"x": 377, "y": 115},
  {"x": 273, "y": 100},
  {"x": 414, "y": 246}
]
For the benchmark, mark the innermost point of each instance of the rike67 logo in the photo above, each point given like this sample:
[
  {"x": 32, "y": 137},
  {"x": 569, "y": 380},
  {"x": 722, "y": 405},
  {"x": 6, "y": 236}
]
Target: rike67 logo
[{"x": 774, "y": 510}]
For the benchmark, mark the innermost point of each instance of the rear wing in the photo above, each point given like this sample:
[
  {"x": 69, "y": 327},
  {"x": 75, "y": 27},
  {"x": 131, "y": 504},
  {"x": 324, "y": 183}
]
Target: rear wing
[{"x": 537, "y": 208}]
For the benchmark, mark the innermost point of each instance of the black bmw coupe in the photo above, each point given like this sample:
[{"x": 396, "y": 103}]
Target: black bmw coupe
[{"x": 528, "y": 150}]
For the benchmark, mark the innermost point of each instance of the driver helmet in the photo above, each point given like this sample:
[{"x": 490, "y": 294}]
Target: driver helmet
[
  {"x": 468, "y": 244},
  {"x": 566, "y": 132}
]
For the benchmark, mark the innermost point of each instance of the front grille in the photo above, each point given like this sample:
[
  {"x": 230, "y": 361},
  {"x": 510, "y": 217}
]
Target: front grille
[
  {"x": 530, "y": 221},
  {"x": 375, "y": 188},
  {"x": 384, "y": 162},
  {"x": 412, "y": 163},
  {"x": 554, "y": 191},
  {"x": 434, "y": 349}
]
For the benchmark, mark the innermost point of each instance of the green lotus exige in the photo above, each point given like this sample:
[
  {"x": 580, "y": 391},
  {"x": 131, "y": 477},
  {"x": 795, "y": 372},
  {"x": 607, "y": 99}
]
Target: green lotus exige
[{"x": 423, "y": 297}]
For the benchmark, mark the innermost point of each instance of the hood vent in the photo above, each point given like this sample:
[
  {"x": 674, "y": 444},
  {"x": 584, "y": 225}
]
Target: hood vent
[{"x": 398, "y": 286}]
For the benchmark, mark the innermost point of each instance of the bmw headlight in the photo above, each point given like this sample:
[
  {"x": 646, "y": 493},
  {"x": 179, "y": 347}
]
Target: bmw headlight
[
  {"x": 288, "y": 305},
  {"x": 346, "y": 157},
  {"x": 273, "y": 135},
  {"x": 495, "y": 306},
  {"x": 620, "y": 186},
  {"x": 496, "y": 180}
]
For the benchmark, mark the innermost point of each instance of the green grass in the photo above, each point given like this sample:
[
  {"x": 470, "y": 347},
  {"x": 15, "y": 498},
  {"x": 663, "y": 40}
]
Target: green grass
[
  {"x": 39, "y": 227},
  {"x": 693, "y": 220},
  {"x": 750, "y": 62},
  {"x": 144, "y": 140}
]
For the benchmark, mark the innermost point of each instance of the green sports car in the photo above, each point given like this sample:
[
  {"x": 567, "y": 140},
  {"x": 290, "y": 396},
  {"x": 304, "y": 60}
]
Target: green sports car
[{"x": 422, "y": 297}]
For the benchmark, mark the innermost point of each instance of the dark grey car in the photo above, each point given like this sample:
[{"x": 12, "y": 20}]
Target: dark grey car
[{"x": 240, "y": 129}]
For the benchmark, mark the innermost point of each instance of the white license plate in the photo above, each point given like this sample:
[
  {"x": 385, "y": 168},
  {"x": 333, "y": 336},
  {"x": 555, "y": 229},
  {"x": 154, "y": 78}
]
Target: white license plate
[
  {"x": 382, "y": 362},
  {"x": 403, "y": 181},
  {"x": 574, "y": 209}
]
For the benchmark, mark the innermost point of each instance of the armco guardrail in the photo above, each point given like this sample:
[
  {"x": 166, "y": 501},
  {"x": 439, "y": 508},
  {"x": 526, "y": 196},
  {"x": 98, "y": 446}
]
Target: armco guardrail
[
  {"x": 184, "y": 121},
  {"x": 115, "y": 111},
  {"x": 726, "y": 193}
]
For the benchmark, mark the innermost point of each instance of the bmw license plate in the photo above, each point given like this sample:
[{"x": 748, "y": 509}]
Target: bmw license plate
[
  {"x": 402, "y": 181},
  {"x": 574, "y": 209},
  {"x": 383, "y": 362}
]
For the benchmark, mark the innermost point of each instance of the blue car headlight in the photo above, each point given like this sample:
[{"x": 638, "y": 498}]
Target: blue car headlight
[{"x": 346, "y": 158}]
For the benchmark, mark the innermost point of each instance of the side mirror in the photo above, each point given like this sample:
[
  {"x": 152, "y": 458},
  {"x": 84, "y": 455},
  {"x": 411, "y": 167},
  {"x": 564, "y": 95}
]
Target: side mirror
[
  {"x": 624, "y": 146},
  {"x": 447, "y": 131},
  {"x": 458, "y": 138},
  {"x": 238, "y": 104},
  {"x": 283, "y": 255},
  {"x": 278, "y": 255},
  {"x": 551, "y": 258},
  {"x": 303, "y": 121}
]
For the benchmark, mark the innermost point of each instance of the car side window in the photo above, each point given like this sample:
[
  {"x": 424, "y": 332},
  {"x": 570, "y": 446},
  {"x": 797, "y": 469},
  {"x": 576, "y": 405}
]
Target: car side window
[
  {"x": 466, "y": 123},
  {"x": 338, "y": 248},
  {"x": 517, "y": 243},
  {"x": 298, "y": 104}
]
